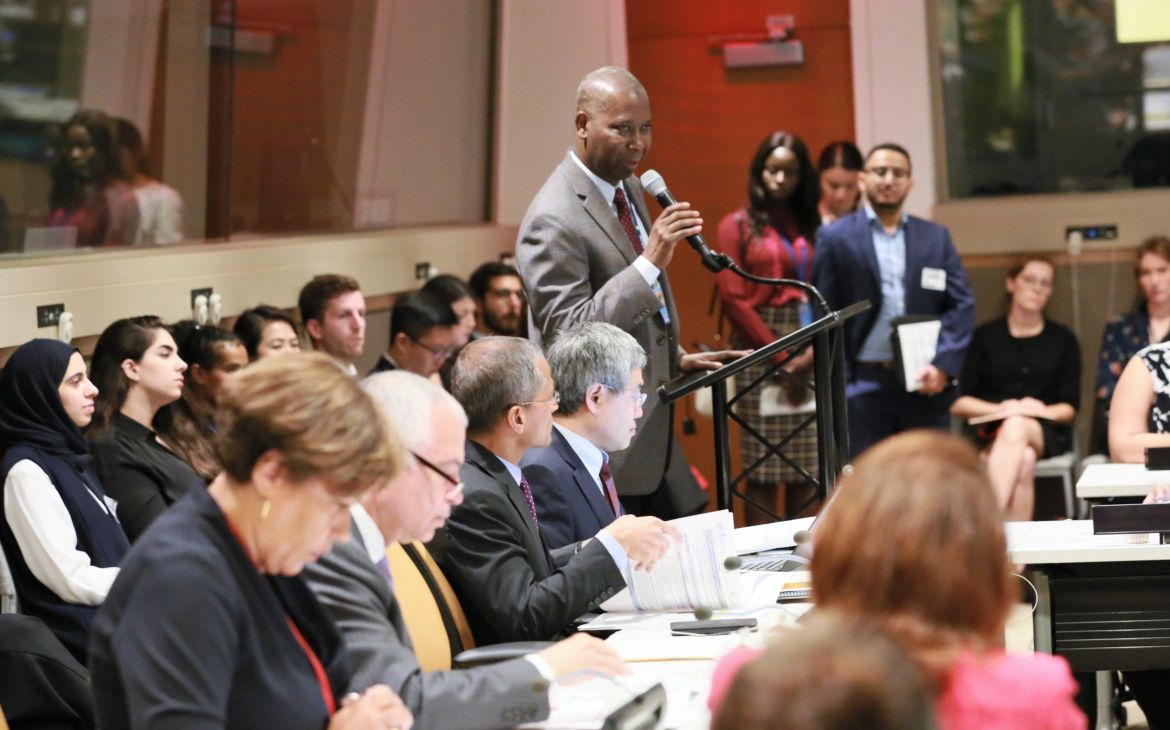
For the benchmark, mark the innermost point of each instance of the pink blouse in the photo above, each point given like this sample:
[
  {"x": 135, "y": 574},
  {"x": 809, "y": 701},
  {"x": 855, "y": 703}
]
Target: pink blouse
[
  {"x": 1003, "y": 691},
  {"x": 764, "y": 255}
]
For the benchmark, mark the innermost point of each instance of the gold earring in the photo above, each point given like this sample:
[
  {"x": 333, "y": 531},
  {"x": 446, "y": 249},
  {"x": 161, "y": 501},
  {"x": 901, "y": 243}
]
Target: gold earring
[{"x": 265, "y": 509}]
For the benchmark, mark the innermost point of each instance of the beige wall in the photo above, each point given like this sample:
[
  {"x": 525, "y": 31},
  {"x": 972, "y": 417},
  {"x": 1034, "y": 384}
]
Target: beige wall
[{"x": 545, "y": 49}]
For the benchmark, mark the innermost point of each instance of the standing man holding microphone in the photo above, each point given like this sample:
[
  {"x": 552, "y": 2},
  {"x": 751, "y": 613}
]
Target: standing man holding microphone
[{"x": 587, "y": 252}]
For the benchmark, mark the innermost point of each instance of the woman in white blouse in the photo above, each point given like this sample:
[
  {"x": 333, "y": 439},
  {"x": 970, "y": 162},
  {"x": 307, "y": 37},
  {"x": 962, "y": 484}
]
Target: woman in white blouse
[{"x": 58, "y": 530}]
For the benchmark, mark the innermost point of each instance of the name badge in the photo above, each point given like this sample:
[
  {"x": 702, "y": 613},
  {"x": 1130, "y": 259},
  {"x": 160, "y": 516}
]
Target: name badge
[{"x": 934, "y": 279}]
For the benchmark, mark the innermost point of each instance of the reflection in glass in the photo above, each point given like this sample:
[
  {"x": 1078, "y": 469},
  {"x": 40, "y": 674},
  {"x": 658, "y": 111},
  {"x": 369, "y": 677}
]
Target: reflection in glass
[
  {"x": 213, "y": 121},
  {"x": 1040, "y": 97}
]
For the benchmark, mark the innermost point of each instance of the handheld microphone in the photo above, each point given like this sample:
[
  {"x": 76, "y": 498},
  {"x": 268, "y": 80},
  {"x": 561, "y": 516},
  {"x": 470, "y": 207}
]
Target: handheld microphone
[{"x": 656, "y": 186}]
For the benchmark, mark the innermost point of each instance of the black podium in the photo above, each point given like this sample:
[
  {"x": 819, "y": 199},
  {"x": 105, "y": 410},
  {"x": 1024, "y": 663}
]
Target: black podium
[{"x": 824, "y": 335}]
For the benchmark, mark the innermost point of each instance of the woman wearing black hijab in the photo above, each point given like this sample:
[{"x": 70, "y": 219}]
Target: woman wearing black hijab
[{"x": 58, "y": 529}]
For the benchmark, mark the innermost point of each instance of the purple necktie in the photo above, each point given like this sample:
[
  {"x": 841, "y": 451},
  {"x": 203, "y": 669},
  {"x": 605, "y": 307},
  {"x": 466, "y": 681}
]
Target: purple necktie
[
  {"x": 610, "y": 489},
  {"x": 383, "y": 566},
  {"x": 527, "y": 490},
  {"x": 626, "y": 218}
]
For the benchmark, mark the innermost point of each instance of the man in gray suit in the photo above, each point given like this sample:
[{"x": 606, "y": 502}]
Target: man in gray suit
[
  {"x": 352, "y": 581},
  {"x": 587, "y": 252}
]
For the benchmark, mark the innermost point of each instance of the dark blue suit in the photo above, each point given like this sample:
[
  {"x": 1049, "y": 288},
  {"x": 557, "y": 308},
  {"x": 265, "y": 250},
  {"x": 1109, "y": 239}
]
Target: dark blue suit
[
  {"x": 569, "y": 503},
  {"x": 845, "y": 269}
]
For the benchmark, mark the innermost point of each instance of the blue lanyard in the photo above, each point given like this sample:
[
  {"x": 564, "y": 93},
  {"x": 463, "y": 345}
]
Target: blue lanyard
[{"x": 801, "y": 264}]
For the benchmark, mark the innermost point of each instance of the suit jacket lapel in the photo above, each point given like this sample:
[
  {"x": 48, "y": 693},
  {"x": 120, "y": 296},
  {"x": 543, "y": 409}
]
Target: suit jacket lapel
[
  {"x": 490, "y": 464},
  {"x": 865, "y": 238},
  {"x": 598, "y": 209},
  {"x": 597, "y": 503}
]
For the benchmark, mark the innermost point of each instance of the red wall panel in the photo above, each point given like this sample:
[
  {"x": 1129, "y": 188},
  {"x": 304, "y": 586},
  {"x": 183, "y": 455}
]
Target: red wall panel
[{"x": 709, "y": 119}]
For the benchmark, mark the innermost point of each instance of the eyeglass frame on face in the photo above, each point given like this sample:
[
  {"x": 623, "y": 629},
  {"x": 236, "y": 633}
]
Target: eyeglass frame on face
[
  {"x": 437, "y": 354},
  {"x": 899, "y": 173},
  {"x": 556, "y": 399},
  {"x": 455, "y": 486},
  {"x": 639, "y": 398},
  {"x": 1041, "y": 284}
]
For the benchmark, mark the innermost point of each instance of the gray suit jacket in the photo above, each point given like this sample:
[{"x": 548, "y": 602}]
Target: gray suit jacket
[
  {"x": 353, "y": 591},
  {"x": 576, "y": 263}
]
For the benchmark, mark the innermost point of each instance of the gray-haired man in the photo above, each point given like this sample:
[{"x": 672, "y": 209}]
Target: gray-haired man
[
  {"x": 351, "y": 585},
  {"x": 597, "y": 369},
  {"x": 512, "y": 586}
]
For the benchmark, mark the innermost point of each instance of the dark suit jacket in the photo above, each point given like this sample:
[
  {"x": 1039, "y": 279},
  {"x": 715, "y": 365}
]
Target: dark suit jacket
[
  {"x": 575, "y": 259},
  {"x": 510, "y": 585},
  {"x": 845, "y": 269},
  {"x": 569, "y": 504},
  {"x": 380, "y": 650},
  {"x": 383, "y": 365}
]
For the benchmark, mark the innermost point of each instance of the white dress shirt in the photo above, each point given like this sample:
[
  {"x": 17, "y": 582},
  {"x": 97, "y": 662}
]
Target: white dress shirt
[{"x": 44, "y": 532}]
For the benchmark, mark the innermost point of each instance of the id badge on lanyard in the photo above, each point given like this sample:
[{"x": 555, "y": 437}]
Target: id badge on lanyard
[{"x": 804, "y": 312}]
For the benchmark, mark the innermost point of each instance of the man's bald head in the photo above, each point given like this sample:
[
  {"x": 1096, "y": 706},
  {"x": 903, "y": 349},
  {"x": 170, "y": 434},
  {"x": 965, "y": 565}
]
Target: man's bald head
[
  {"x": 599, "y": 88},
  {"x": 612, "y": 123}
]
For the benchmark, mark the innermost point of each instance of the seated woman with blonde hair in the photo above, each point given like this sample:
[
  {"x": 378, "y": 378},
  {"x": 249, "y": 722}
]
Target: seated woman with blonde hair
[
  {"x": 209, "y": 623},
  {"x": 913, "y": 544}
]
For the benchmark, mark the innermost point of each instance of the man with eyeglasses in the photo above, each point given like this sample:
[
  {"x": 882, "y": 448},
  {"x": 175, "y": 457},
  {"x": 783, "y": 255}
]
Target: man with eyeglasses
[
  {"x": 597, "y": 369},
  {"x": 424, "y": 332},
  {"x": 905, "y": 266},
  {"x": 511, "y": 585},
  {"x": 353, "y": 580}
]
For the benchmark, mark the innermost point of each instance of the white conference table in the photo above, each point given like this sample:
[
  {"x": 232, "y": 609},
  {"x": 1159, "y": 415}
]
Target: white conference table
[
  {"x": 1100, "y": 481},
  {"x": 1102, "y": 601},
  {"x": 683, "y": 664}
]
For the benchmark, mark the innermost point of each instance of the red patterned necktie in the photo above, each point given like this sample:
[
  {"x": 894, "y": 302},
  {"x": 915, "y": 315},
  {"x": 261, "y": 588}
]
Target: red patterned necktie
[
  {"x": 626, "y": 218},
  {"x": 527, "y": 490},
  {"x": 610, "y": 489}
]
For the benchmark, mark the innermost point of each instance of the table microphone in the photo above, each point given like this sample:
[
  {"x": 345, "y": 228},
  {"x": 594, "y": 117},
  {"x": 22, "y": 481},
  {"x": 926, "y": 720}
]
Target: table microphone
[
  {"x": 800, "y": 537},
  {"x": 643, "y": 711},
  {"x": 733, "y": 562}
]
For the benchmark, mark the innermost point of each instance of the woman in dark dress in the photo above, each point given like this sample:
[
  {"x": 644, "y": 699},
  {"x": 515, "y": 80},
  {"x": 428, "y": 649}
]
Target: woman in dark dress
[
  {"x": 138, "y": 371},
  {"x": 57, "y": 528},
  {"x": 209, "y": 624},
  {"x": 1023, "y": 372}
]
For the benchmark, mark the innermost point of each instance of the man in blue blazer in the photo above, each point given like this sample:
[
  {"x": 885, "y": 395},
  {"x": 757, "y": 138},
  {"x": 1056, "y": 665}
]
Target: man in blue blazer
[
  {"x": 597, "y": 369},
  {"x": 904, "y": 266}
]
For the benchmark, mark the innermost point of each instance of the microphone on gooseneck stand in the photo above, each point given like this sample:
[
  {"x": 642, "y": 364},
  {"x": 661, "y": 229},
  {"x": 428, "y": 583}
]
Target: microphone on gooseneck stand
[
  {"x": 716, "y": 262},
  {"x": 642, "y": 710},
  {"x": 656, "y": 186}
]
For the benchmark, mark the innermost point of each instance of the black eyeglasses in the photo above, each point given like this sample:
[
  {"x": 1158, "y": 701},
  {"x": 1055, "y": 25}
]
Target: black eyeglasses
[
  {"x": 443, "y": 354},
  {"x": 455, "y": 484}
]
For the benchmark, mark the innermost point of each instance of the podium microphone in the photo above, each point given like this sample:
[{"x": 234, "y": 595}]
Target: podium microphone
[{"x": 656, "y": 186}]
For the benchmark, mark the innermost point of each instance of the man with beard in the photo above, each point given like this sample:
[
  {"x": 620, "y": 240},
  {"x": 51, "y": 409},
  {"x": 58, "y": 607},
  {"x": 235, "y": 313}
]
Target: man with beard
[
  {"x": 500, "y": 295},
  {"x": 904, "y": 266}
]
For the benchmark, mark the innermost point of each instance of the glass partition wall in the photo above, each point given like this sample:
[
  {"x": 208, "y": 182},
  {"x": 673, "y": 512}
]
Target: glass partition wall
[
  {"x": 1054, "y": 96},
  {"x": 152, "y": 122}
]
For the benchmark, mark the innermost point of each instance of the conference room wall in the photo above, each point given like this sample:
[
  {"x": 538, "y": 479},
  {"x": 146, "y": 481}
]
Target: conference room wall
[
  {"x": 100, "y": 287},
  {"x": 708, "y": 121}
]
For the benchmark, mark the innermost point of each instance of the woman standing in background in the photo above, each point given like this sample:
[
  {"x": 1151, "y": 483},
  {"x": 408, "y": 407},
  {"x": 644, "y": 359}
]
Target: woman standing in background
[
  {"x": 773, "y": 237},
  {"x": 839, "y": 165}
]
